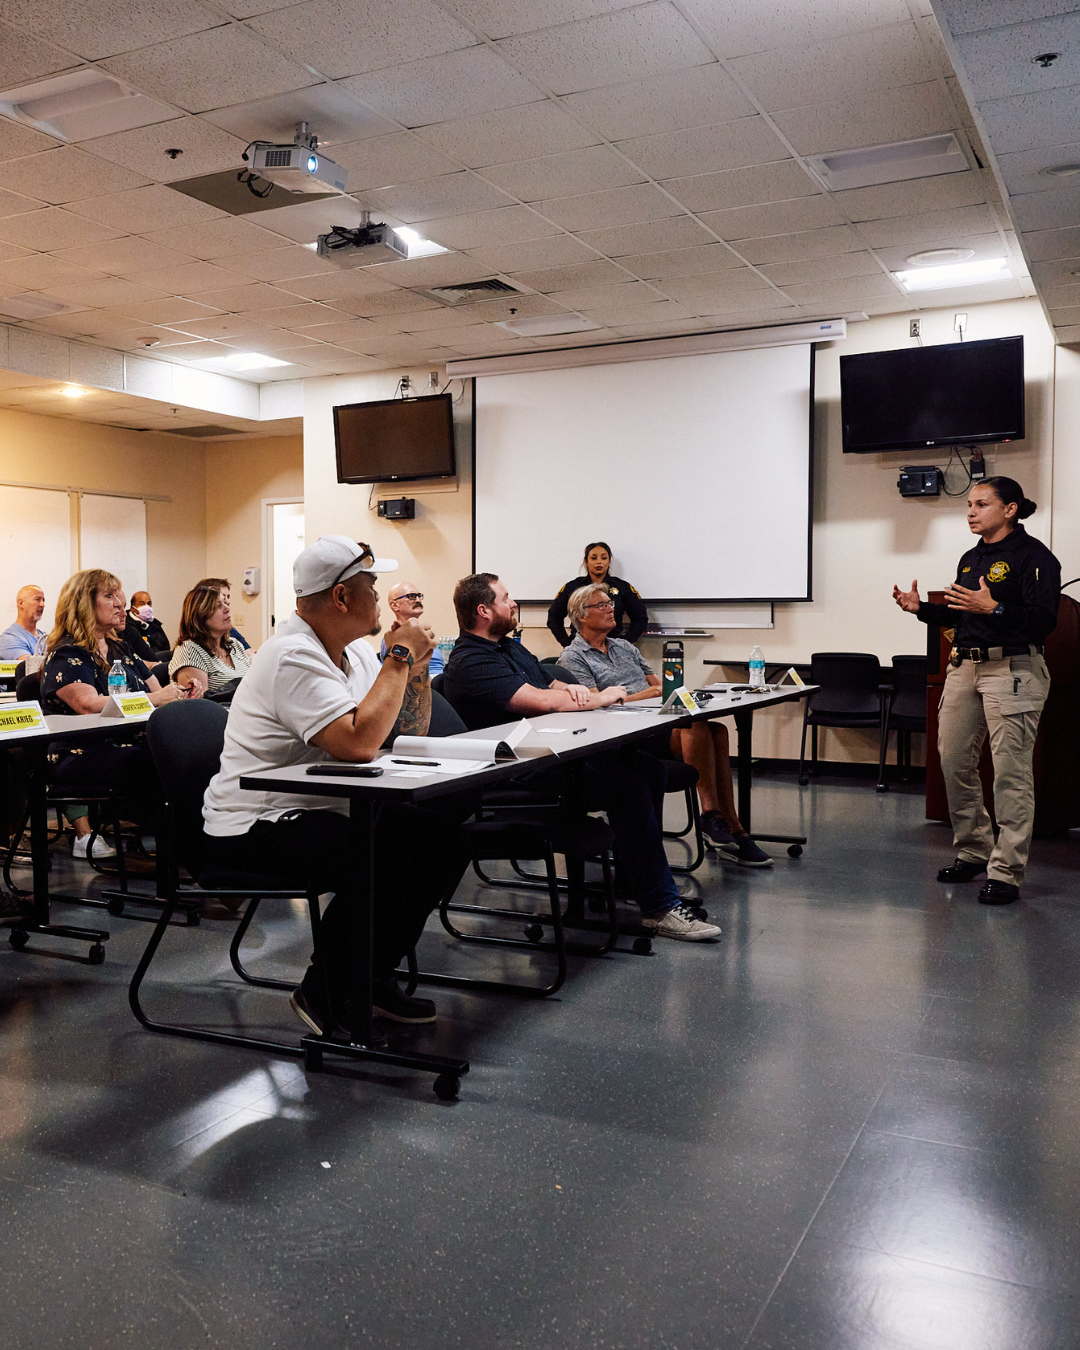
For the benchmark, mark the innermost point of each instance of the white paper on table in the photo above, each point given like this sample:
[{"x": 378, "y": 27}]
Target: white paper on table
[
  {"x": 462, "y": 747},
  {"x": 390, "y": 764}
]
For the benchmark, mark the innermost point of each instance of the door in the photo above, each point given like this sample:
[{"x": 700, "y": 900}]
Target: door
[{"x": 286, "y": 543}]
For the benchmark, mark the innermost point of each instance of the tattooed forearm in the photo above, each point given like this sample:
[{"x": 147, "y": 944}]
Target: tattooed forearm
[{"x": 416, "y": 705}]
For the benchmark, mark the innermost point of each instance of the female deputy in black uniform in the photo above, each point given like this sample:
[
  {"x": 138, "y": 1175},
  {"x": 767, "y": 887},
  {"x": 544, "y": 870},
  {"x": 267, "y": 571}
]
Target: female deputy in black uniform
[
  {"x": 1002, "y": 604},
  {"x": 628, "y": 603}
]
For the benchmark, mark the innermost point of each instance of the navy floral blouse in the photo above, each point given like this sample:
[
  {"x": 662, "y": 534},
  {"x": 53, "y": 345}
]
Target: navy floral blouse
[{"x": 70, "y": 664}]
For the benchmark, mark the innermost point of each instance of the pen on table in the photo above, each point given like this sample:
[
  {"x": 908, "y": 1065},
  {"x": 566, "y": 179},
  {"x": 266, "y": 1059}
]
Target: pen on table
[
  {"x": 580, "y": 731},
  {"x": 426, "y": 763}
]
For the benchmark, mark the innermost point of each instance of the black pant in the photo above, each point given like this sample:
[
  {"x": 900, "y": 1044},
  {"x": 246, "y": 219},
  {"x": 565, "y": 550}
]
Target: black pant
[
  {"x": 127, "y": 769},
  {"x": 419, "y": 857}
]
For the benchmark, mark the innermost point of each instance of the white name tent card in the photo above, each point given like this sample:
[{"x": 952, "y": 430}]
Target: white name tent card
[
  {"x": 22, "y": 719},
  {"x": 129, "y": 707}
]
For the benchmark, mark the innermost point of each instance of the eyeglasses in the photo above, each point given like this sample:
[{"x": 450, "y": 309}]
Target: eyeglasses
[
  {"x": 602, "y": 604},
  {"x": 366, "y": 560},
  {"x": 413, "y": 596}
]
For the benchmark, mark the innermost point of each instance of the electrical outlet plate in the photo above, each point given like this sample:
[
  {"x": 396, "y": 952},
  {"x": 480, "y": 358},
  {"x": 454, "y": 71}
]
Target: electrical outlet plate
[
  {"x": 915, "y": 328},
  {"x": 960, "y": 323}
]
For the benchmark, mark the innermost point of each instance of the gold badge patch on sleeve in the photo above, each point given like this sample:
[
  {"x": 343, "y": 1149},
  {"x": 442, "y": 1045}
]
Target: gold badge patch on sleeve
[{"x": 998, "y": 571}]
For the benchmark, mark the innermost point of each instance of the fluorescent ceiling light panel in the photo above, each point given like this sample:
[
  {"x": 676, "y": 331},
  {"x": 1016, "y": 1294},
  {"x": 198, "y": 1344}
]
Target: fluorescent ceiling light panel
[
  {"x": 82, "y": 104},
  {"x": 954, "y": 274},
  {"x": 73, "y": 391},
  {"x": 28, "y": 307},
  {"x": 418, "y": 246},
  {"x": 548, "y": 325},
  {"x": 243, "y": 361},
  {"x": 894, "y": 163}
]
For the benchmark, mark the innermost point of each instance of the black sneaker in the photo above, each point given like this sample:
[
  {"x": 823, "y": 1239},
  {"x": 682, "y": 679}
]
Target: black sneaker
[
  {"x": 748, "y": 854},
  {"x": 961, "y": 870},
  {"x": 391, "y": 1002},
  {"x": 715, "y": 832},
  {"x": 999, "y": 893},
  {"x": 309, "y": 1009}
]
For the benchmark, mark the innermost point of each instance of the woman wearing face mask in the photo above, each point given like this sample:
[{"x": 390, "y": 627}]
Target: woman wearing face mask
[
  {"x": 207, "y": 653},
  {"x": 628, "y": 603},
  {"x": 141, "y": 622}
]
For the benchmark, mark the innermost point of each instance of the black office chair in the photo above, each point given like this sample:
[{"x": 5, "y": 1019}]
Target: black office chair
[
  {"x": 437, "y": 681},
  {"x": 559, "y": 672},
  {"x": 905, "y": 712},
  {"x": 850, "y": 696}
]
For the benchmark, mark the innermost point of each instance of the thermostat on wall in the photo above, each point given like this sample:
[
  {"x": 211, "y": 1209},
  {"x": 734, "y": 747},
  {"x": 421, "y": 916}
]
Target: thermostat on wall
[{"x": 252, "y": 583}]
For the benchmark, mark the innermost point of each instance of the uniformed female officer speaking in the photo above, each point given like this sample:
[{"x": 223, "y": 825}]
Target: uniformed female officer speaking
[{"x": 1003, "y": 604}]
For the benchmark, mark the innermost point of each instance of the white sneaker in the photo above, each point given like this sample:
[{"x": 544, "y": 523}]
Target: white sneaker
[
  {"x": 102, "y": 849},
  {"x": 680, "y": 923}
]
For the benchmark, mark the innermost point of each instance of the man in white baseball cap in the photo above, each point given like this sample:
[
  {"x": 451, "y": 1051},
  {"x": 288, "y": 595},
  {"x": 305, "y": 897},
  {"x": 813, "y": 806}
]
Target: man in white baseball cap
[{"x": 317, "y": 693}]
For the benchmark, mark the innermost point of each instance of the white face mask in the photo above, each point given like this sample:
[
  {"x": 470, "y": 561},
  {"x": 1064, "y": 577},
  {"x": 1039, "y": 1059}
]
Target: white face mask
[{"x": 145, "y": 613}]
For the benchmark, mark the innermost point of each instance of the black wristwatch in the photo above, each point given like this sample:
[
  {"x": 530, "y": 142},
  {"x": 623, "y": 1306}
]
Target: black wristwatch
[
  {"x": 998, "y": 610},
  {"x": 400, "y": 653}
]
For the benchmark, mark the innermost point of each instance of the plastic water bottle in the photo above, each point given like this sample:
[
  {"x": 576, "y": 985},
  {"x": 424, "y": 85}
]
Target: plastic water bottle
[
  {"x": 757, "y": 669},
  {"x": 117, "y": 679},
  {"x": 446, "y": 646}
]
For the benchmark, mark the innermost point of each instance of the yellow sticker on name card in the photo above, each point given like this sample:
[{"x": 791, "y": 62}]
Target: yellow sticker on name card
[
  {"x": 127, "y": 706},
  {"x": 8, "y": 669},
  {"x": 21, "y": 719}
]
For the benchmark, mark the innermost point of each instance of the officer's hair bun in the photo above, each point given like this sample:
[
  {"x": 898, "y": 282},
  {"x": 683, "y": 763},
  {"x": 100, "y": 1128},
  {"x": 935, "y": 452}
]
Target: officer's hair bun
[{"x": 1027, "y": 508}]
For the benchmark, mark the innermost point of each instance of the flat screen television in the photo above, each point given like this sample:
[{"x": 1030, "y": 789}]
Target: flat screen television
[
  {"x": 962, "y": 393},
  {"x": 395, "y": 439}
]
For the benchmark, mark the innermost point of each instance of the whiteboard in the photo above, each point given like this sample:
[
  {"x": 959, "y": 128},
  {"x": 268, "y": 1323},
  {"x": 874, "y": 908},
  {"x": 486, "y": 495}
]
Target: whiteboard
[
  {"x": 35, "y": 547},
  {"x": 695, "y": 469},
  {"x": 112, "y": 535}
]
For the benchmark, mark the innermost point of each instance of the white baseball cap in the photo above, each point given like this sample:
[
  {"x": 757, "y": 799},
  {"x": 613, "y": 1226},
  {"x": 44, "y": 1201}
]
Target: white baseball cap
[{"x": 334, "y": 558}]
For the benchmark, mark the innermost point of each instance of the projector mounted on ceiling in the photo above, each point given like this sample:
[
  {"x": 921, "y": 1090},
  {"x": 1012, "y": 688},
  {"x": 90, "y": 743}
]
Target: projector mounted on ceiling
[
  {"x": 368, "y": 243},
  {"x": 300, "y": 167}
]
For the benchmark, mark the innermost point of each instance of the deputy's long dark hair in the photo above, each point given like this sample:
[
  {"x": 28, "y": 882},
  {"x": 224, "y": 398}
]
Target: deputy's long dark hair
[
  {"x": 598, "y": 543},
  {"x": 1008, "y": 491}
]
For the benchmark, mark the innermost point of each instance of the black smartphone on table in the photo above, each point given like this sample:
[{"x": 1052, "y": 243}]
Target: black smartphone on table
[{"x": 344, "y": 771}]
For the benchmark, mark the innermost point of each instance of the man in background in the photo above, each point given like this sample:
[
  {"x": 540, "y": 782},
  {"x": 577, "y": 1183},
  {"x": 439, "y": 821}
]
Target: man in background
[
  {"x": 406, "y": 602},
  {"x": 22, "y": 639}
]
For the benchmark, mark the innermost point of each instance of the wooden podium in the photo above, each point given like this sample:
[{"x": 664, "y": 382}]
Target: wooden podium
[{"x": 1057, "y": 747}]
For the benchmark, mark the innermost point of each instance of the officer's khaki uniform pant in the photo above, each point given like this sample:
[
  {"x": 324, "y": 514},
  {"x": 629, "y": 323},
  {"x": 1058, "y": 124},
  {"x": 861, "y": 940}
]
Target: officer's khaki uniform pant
[{"x": 1004, "y": 698}]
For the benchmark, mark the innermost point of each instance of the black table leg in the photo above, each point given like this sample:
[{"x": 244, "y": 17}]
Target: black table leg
[{"x": 744, "y": 725}]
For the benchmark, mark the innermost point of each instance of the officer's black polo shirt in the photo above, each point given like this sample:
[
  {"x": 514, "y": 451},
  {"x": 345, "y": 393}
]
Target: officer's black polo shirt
[{"x": 482, "y": 677}]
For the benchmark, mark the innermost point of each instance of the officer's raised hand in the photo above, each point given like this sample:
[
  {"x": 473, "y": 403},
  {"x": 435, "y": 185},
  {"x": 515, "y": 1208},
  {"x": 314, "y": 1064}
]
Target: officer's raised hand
[
  {"x": 973, "y": 602},
  {"x": 907, "y": 600}
]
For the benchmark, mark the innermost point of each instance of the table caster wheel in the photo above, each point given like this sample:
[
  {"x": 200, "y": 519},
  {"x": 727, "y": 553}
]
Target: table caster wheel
[
  {"x": 803, "y": 780},
  {"x": 115, "y": 907},
  {"x": 642, "y": 946},
  {"x": 18, "y": 939},
  {"x": 313, "y": 1059},
  {"x": 534, "y": 932},
  {"x": 446, "y": 1087},
  {"x": 883, "y": 787},
  {"x": 794, "y": 851},
  {"x": 96, "y": 955},
  {"x": 194, "y": 918}
]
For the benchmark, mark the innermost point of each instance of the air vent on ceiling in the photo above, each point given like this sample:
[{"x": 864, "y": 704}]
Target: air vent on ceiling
[
  {"x": 897, "y": 162},
  {"x": 200, "y": 433},
  {"x": 474, "y": 290}
]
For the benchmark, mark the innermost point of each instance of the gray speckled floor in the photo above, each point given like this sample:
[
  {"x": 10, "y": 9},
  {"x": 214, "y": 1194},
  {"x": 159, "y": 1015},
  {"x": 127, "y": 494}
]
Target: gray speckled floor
[{"x": 853, "y": 1125}]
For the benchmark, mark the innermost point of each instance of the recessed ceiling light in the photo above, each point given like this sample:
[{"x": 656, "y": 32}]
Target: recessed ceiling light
[
  {"x": 419, "y": 247},
  {"x": 28, "y": 307},
  {"x": 547, "y": 325},
  {"x": 1061, "y": 170},
  {"x": 954, "y": 274},
  {"x": 73, "y": 391},
  {"x": 81, "y": 104},
  {"x": 925, "y": 157},
  {"x": 243, "y": 361},
  {"x": 934, "y": 257}
]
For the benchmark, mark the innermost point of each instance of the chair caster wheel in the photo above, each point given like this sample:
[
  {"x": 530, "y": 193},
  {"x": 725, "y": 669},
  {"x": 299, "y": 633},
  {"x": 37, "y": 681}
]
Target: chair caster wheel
[
  {"x": 96, "y": 955},
  {"x": 446, "y": 1087},
  {"x": 18, "y": 939},
  {"x": 642, "y": 946},
  {"x": 803, "y": 780},
  {"x": 883, "y": 787},
  {"x": 115, "y": 907},
  {"x": 534, "y": 932},
  {"x": 794, "y": 851},
  {"x": 194, "y": 918}
]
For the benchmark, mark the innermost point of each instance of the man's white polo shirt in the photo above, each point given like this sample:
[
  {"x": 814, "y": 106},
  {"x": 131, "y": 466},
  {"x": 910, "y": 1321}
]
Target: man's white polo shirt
[{"x": 292, "y": 691}]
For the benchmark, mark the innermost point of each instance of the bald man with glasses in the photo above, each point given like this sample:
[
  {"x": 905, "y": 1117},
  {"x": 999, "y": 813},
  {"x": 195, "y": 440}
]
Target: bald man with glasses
[{"x": 406, "y": 602}]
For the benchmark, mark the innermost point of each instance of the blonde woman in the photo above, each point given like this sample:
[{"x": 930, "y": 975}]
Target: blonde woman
[
  {"x": 82, "y": 648},
  {"x": 206, "y": 653}
]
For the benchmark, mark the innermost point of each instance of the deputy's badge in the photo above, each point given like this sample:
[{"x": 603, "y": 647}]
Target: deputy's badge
[
  {"x": 613, "y": 590},
  {"x": 998, "y": 571},
  {"x": 954, "y": 657}
]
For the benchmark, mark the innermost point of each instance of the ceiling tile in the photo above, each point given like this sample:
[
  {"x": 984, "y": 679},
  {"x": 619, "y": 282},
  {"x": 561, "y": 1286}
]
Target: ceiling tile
[
  {"x": 23, "y": 58},
  {"x": 717, "y": 287},
  {"x": 428, "y": 321},
  {"x": 1050, "y": 210},
  {"x": 606, "y": 297},
  {"x": 9, "y": 251},
  {"x": 681, "y": 262},
  {"x": 1047, "y": 245},
  {"x": 305, "y": 221},
  {"x": 511, "y": 306},
  {"x": 85, "y": 323},
  {"x": 845, "y": 291},
  {"x": 650, "y": 311},
  {"x": 51, "y": 229},
  {"x": 791, "y": 247},
  {"x": 700, "y": 96},
  {"x": 222, "y": 325},
  {"x": 347, "y": 39},
  {"x": 502, "y": 18},
  {"x": 744, "y": 222},
  {"x": 381, "y": 161},
  {"x": 271, "y": 342},
  {"x": 650, "y": 237},
  {"x": 434, "y": 197},
  {"x": 1055, "y": 272},
  {"x": 599, "y": 272},
  {"x": 920, "y": 194},
  {"x": 626, "y": 45},
  {"x": 505, "y": 225},
  {"x": 120, "y": 257},
  {"x": 733, "y": 145},
  {"x": 994, "y": 61},
  {"x": 1023, "y": 169},
  {"x": 67, "y": 174},
  {"x": 822, "y": 269},
  {"x": 752, "y": 302},
  {"x": 339, "y": 286},
  {"x": 1066, "y": 317},
  {"x": 98, "y": 28},
  {"x": 244, "y": 299},
  {"x": 447, "y": 270},
  {"x": 915, "y": 229},
  {"x": 14, "y": 203},
  {"x": 389, "y": 303},
  {"x": 17, "y": 141},
  {"x": 110, "y": 291},
  {"x": 861, "y": 120},
  {"x": 344, "y": 330},
  {"x": 298, "y": 314},
  {"x": 814, "y": 72},
  {"x": 560, "y": 250},
  {"x": 190, "y": 278},
  {"x": 34, "y": 273},
  {"x": 1057, "y": 297},
  {"x": 740, "y": 27},
  {"x": 512, "y": 133},
  {"x": 210, "y": 70},
  {"x": 743, "y": 187},
  {"x": 440, "y": 88},
  {"x": 146, "y": 208},
  {"x": 894, "y": 256},
  {"x": 564, "y": 175},
  {"x": 205, "y": 149},
  {"x": 617, "y": 206},
  {"x": 214, "y": 238},
  {"x": 171, "y": 310},
  {"x": 330, "y": 110},
  {"x": 278, "y": 264}
]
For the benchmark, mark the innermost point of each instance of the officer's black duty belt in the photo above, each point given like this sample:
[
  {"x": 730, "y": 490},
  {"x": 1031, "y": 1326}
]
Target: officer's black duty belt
[{"x": 959, "y": 654}]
